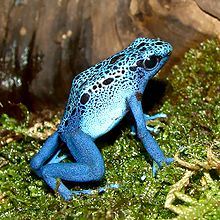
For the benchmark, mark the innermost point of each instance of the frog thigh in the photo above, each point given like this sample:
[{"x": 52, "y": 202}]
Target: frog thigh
[{"x": 89, "y": 165}]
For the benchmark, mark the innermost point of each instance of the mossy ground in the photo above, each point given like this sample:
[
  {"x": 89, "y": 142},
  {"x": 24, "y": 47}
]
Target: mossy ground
[{"x": 192, "y": 103}]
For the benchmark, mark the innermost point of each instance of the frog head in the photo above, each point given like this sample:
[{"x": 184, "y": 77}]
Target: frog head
[{"x": 149, "y": 55}]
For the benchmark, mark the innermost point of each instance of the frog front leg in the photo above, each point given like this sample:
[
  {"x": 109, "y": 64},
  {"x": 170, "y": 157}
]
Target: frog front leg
[
  {"x": 89, "y": 165},
  {"x": 149, "y": 143}
]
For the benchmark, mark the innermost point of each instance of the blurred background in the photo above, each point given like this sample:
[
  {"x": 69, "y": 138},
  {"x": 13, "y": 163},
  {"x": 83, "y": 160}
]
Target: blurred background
[{"x": 44, "y": 44}]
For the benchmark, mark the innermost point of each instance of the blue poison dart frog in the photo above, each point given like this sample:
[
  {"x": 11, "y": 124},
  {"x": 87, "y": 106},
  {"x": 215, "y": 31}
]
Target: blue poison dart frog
[{"x": 99, "y": 98}]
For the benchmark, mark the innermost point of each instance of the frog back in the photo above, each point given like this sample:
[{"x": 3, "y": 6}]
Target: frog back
[{"x": 97, "y": 98}]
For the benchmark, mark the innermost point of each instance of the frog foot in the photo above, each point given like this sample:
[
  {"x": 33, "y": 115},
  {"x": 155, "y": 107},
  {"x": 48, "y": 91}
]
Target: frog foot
[
  {"x": 56, "y": 158},
  {"x": 99, "y": 190},
  {"x": 168, "y": 160},
  {"x": 152, "y": 117},
  {"x": 148, "y": 118},
  {"x": 81, "y": 192},
  {"x": 111, "y": 186}
]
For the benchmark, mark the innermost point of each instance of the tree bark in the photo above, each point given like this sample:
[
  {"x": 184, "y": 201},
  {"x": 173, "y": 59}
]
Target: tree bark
[{"x": 43, "y": 44}]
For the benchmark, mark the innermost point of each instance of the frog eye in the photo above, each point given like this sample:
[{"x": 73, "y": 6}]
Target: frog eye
[{"x": 151, "y": 62}]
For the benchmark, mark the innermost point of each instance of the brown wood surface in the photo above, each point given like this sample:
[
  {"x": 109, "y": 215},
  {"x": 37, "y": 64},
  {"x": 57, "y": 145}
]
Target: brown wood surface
[{"x": 43, "y": 43}]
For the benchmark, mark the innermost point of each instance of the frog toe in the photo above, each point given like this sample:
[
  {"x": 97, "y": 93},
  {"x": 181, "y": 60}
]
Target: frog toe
[
  {"x": 82, "y": 192},
  {"x": 167, "y": 160},
  {"x": 56, "y": 158},
  {"x": 152, "y": 117}
]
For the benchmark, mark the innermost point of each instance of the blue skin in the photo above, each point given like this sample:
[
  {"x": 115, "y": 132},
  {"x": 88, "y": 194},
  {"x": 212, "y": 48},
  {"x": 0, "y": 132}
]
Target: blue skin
[{"x": 100, "y": 97}]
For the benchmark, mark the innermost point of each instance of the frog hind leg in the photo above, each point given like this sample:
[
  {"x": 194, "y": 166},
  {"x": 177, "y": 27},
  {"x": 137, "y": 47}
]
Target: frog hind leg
[
  {"x": 89, "y": 165},
  {"x": 49, "y": 148}
]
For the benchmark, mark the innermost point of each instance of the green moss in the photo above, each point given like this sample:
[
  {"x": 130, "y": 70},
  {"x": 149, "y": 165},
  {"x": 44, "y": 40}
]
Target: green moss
[
  {"x": 193, "y": 123},
  {"x": 193, "y": 106}
]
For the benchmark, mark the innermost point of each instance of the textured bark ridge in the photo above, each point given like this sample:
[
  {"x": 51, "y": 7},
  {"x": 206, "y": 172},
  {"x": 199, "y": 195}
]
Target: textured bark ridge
[{"x": 43, "y": 44}]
